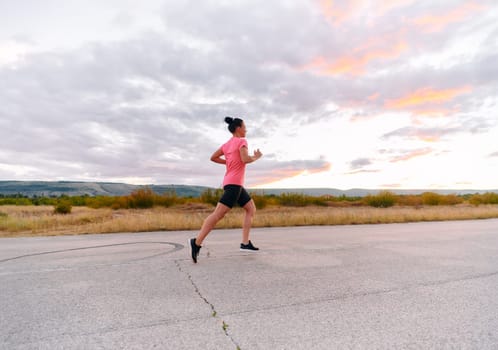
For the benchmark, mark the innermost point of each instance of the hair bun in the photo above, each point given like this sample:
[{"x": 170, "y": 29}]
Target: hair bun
[{"x": 228, "y": 120}]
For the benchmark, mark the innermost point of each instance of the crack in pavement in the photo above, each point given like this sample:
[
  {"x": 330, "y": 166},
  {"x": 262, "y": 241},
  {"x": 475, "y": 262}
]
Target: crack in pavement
[
  {"x": 176, "y": 246},
  {"x": 224, "y": 326}
]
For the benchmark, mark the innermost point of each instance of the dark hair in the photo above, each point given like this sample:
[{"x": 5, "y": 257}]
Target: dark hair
[{"x": 233, "y": 123}]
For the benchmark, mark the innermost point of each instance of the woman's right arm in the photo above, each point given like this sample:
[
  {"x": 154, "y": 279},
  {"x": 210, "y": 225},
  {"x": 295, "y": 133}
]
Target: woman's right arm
[{"x": 216, "y": 157}]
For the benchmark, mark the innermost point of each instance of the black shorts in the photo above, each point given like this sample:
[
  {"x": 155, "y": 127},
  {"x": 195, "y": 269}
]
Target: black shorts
[{"x": 234, "y": 194}]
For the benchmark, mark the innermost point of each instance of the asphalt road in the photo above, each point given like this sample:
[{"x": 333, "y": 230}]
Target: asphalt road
[{"x": 397, "y": 286}]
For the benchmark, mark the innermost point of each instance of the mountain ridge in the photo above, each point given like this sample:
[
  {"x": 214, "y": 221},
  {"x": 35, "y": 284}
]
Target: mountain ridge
[{"x": 80, "y": 188}]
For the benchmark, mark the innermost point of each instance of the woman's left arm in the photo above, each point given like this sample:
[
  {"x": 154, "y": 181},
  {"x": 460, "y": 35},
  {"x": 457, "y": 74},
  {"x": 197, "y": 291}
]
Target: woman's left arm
[{"x": 246, "y": 158}]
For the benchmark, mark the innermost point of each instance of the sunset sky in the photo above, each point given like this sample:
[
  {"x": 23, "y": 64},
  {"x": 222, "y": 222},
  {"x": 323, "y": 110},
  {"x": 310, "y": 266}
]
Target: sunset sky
[{"x": 394, "y": 94}]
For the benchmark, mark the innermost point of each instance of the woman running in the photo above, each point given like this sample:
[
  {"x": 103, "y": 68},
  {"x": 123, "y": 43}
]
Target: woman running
[{"x": 235, "y": 155}]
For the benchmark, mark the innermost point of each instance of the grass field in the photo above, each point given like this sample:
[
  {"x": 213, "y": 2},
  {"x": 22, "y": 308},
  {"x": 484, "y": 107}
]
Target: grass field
[{"x": 41, "y": 220}]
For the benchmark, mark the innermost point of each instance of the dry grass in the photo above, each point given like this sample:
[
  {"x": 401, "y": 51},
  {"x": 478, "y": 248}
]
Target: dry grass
[
  {"x": 33, "y": 221},
  {"x": 369, "y": 215}
]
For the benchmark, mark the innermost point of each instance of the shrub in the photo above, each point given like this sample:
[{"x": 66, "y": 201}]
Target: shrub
[
  {"x": 120, "y": 203},
  {"x": 211, "y": 196},
  {"x": 79, "y": 201},
  {"x": 451, "y": 199},
  {"x": 142, "y": 198},
  {"x": 100, "y": 202},
  {"x": 491, "y": 198},
  {"x": 410, "y": 200},
  {"x": 168, "y": 199},
  {"x": 261, "y": 201},
  {"x": 15, "y": 201},
  {"x": 63, "y": 207},
  {"x": 431, "y": 198},
  {"x": 383, "y": 199},
  {"x": 321, "y": 201},
  {"x": 293, "y": 200},
  {"x": 485, "y": 198}
]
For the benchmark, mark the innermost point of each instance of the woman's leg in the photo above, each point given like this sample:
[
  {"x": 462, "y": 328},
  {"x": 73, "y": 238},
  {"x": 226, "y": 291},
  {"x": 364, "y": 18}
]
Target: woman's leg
[
  {"x": 250, "y": 209},
  {"x": 211, "y": 221}
]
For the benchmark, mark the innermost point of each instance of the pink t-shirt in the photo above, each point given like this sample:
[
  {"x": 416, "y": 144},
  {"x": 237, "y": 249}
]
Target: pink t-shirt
[{"x": 235, "y": 166}]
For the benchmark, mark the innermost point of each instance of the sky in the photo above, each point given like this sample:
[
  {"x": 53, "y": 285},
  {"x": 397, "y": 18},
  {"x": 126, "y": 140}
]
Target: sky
[{"x": 387, "y": 94}]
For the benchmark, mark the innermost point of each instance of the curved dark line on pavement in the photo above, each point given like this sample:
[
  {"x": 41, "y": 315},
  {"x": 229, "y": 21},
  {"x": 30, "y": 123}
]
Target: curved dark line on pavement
[{"x": 176, "y": 247}]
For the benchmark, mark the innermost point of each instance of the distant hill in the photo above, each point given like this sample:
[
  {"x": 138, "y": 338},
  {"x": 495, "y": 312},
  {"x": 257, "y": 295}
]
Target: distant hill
[
  {"x": 362, "y": 192},
  {"x": 70, "y": 188}
]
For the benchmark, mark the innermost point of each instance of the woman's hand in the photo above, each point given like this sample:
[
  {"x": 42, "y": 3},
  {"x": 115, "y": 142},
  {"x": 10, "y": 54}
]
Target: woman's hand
[
  {"x": 257, "y": 154},
  {"x": 246, "y": 158}
]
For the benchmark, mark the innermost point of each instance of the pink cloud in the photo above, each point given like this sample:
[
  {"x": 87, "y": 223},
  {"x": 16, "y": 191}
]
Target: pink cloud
[
  {"x": 356, "y": 62},
  {"x": 385, "y": 6},
  {"x": 338, "y": 12},
  {"x": 411, "y": 155},
  {"x": 426, "y": 96},
  {"x": 436, "y": 23},
  {"x": 288, "y": 170}
]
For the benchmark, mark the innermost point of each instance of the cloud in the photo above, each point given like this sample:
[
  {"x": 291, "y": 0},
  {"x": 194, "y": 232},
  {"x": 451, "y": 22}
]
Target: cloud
[
  {"x": 436, "y": 23},
  {"x": 356, "y": 62},
  {"x": 123, "y": 19},
  {"x": 13, "y": 51},
  {"x": 150, "y": 106},
  {"x": 360, "y": 163},
  {"x": 381, "y": 35},
  {"x": 108, "y": 117},
  {"x": 362, "y": 171},
  {"x": 267, "y": 171},
  {"x": 427, "y": 96},
  {"x": 434, "y": 112},
  {"x": 340, "y": 12},
  {"x": 337, "y": 13},
  {"x": 113, "y": 110},
  {"x": 395, "y": 185},
  {"x": 421, "y": 133},
  {"x": 411, "y": 154},
  {"x": 462, "y": 123},
  {"x": 494, "y": 154}
]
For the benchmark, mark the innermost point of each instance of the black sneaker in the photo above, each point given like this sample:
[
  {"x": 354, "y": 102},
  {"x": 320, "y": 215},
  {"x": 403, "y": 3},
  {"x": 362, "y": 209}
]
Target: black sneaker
[
  {"x": 248, "y": 247},
  {"x": 195, "y": 249}
]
